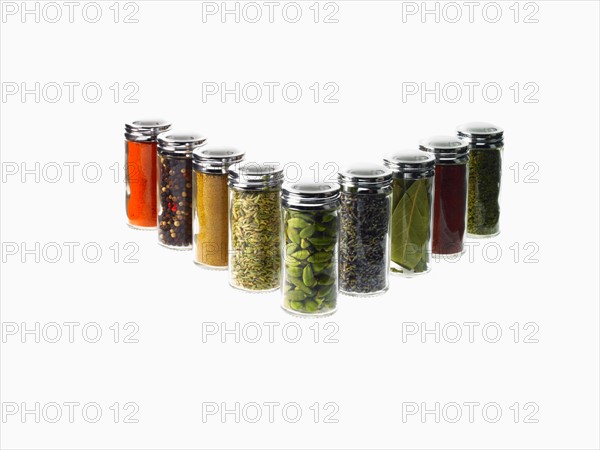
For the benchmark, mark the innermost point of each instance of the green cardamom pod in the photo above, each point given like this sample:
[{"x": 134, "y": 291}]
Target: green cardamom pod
[
  {"x": 308, "y": 231},
  {"x": 297, "y": 306},
  {"x": 293, "y": 235},
  {"x": 294, "y": 271},
  {"x": 295, "y": 296},
  {"x": 308, "y": 277},
  {"x": 321, "y": 241},
  {"x": 305, "y": 243},
  {"x": 298, "y": 223},
  {"x": 291, "y": 248},
  {"x": 301, "y": 254},
  {"x": 320, "y": 257},
  {"x": 311, "y": 306}
]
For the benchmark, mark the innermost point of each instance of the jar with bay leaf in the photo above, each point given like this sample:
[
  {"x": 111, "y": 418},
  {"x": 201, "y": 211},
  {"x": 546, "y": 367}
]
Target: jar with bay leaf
[
  {"x": 412, "y": 200},
  {"x": 310, "y": 221},
  {"x": 486, "y": 145},
  {"x": 255, "y": 227},
  {"x": 175, "y": 188},
  {"x": 211, "y": 204},
  {"x": 364, "y": 249}
]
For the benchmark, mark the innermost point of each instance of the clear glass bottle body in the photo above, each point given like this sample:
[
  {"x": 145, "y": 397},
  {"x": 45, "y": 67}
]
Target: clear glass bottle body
[
  {"x": 365, "y": 219},
  {"x": 141, "y": 172},
  {"x": 310, "y": 272},
  {"x": 175, "y": 201},
  {"x": 412, "y": 207},
  {"x": 255, "y": 238}
]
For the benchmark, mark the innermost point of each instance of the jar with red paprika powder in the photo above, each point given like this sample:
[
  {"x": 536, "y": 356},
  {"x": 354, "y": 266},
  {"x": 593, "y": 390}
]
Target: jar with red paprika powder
[
  {"x": 450, "y": 193},
  {"x": 175, "y": 153},
  {"x": 141, "y": 172}
]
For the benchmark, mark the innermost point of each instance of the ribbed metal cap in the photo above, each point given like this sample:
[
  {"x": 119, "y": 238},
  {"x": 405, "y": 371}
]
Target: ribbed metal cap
[
  {"x": 365, "y": 177},
  {"x": 310, "y": 195},
  {"x": 180, "y": 143},
  {"x": 445, "y": 148},
  {"x": 480, "y": 132},
  {"x": 255, "y": 176},
  {"x": 217, "y": 160},
  {"x": 409, "y": 161},
  {"x": 145, "y": 130}
]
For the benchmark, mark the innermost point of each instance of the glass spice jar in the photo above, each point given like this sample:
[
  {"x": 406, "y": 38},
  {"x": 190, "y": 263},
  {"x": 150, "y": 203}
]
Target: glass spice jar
[
  {"x": 486, "y": 145},
  {"x": 210, "y": 202},
  {"x": 412, "y": 205},
  {"x": 364, "y": 248},
  {"x": 140, "y": 172},
  {"x": 450, "y": 193},
  {"x": 175, "y": 188},
  {"x": 310, "y": 222},
  {"x": 255, "y": 227}
]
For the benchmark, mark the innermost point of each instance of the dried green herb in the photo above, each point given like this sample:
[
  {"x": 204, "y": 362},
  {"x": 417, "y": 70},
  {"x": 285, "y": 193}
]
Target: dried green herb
[
  {"x": 484, "y": 191},
  {"x": 255, "y": 239},
  {"x": 364, "y": 241},
  {"x": 411, "y": 220},
  {"x": 310, "y": 267}
]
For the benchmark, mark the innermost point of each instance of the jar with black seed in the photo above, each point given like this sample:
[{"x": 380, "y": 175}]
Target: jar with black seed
[
  {"x": 310, "y": 224},
  {"x": 486, "y": 145},
  {"x": 365, "y": 213},
  {"x": 255, "y": 227},
  {"x": 175, "y": 218}
]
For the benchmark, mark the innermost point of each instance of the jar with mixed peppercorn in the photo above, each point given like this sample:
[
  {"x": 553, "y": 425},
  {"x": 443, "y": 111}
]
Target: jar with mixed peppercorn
[{"x": 175, "y": 188}]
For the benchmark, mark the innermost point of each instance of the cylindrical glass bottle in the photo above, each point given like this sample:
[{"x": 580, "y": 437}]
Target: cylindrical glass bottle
[
  {"x": 255, "y": 227},
  {"x": 310, "y": 223},
  {"x": 450, "y": 193},
  {"x": 412, "y": 202},
  {"x": 486, "y": 145},
  {"x": 210, "y": 201},
  {"x": 175, "y": 188},
  {"x": 140, "y": 172},
  {"x": 364, "y": 249}
]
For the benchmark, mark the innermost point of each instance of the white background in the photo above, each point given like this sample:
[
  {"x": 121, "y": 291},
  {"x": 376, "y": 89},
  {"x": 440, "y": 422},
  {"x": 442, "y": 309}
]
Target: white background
[{"x": 370, "y": 372}]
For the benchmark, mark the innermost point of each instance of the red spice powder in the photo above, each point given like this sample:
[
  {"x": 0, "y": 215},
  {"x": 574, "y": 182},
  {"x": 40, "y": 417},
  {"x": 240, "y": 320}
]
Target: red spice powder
[{"x": 141, "y": 171}]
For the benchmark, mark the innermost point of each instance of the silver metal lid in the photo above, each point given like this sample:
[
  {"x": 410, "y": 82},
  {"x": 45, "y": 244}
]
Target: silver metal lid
[
  {"x": 255, "y": 176},
  {"x": 368, "y": 176},
  {"x": 181, "y": 143},
  {"x": 310, "y": 195},
  {"x": 409, "y": 161},
  {"x": 217, "y": 160},
  {"x": 480, "y": 132},
  {"x": 445, "y": 148},
  {"x": 145, "y": 130}
]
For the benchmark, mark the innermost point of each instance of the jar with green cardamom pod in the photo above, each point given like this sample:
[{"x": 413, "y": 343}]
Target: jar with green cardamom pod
[
  {"x": 486, "y": 145},
  {"x": 310, "y": 222},
  {"x": 255, "y": 227},
  {"x": 412, "y": 203}
]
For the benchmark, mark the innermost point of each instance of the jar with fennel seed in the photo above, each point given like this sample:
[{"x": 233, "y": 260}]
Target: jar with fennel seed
[
  {"x": 365, "y": 212},
  {"x": 412, "y": 203},
  {"x": 486, "y": 145},
  {"x": 450, "y": 193},
  {"x": 310, "y": 223},
  {"x": 141, "y": 172},
  {"x": 210, "y": 202},
  {"x": 175, "y": 188},
  {"x": 255, "y": 227}
]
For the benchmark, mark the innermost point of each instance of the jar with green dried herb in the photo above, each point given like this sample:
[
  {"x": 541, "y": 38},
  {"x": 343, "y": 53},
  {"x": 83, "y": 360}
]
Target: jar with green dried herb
[
  {"x": 412, "y": 201},
  {"x": 175, "y": 188},
  {"x": 364, "y": 249},
  {"x": 486, "y": 144},
  {"x": 211, "y": 204},
  {"x": 255, "y": 227},
  {"x": 310, "y": 222}
]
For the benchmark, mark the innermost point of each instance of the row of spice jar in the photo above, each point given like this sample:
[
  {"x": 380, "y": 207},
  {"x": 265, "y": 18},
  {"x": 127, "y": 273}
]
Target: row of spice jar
[{"x": 313, "y": 239}]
